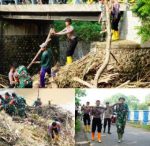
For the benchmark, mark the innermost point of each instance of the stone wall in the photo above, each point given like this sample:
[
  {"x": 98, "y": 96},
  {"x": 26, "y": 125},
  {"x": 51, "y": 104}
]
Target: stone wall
[{"x": 82, "y": 49}]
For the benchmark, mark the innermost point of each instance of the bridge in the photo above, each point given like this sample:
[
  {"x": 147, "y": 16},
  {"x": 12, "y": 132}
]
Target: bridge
[{"x": 82, "y": 12}]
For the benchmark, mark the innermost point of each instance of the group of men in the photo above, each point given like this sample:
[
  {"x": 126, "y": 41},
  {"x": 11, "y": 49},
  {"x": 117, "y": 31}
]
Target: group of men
[
  {"x": 97, "y": 112},
  {"x": 13, "y": 105}
]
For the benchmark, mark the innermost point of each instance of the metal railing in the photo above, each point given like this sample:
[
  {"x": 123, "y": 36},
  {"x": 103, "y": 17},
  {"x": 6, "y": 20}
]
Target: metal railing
[{"x": 19, "y": 2}]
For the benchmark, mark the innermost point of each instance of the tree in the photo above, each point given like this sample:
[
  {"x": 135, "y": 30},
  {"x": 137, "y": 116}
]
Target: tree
[
  {"x": 78, "y": 94},
  {"x": 147, "y": 99},
  {"x": 143, "y": 106},
  {"x": 142, "y": 10},
  {"x": 131, "y": 100}
]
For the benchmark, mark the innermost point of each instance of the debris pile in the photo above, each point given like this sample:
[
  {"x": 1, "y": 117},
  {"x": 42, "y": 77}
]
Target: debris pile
[
  {"x": 33, "y": 130},
  {"x": 117, "y": 74}
]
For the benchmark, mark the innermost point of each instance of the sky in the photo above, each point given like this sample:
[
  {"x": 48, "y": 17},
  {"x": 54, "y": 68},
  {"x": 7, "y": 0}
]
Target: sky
[
  {"x": 62, "y": 97},
  {"x": 101, "y": 94}
]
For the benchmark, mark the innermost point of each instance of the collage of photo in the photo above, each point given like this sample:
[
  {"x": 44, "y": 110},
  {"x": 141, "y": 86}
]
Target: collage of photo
[{"x": 74, "y": 73}]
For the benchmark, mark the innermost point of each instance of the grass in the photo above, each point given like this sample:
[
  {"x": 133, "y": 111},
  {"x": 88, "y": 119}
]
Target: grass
[
  {"x": 77, "y": 125},
  {"x": 138, "y": 125}
]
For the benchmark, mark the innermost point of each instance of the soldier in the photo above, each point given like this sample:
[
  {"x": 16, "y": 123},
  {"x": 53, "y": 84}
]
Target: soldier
[
  {"x": 9, "y": 106},
  {"x": 86, "y": 117},
  {"x": 25, "y": 80},
  {"x": 20, "y": 104},
  {"x": 122, "y": 112},
  {"x": 54, "y": 130},
  {"x": 97, "y": 112},
  {"x": 37, "y": 104},
  {"x": 107, "y": 117}
]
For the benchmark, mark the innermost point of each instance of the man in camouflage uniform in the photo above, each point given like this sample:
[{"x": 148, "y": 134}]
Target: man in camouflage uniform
[
  {"x": 25, "y": 80},
  {"x": 20, "y": 104},
  {"x": 97, "y": 112},
  {"x": 122, "y": 112},
  {"x": 38, "y": 105},
  {"x": 8, "y": 105},
  {"x": 86, "y": 117}
]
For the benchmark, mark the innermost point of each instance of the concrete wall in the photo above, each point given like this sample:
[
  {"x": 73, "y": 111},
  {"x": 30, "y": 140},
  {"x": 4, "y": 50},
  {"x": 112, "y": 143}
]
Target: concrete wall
[
  {"x": 128, "y": 27},
  {"x": 20, "y": 40}
]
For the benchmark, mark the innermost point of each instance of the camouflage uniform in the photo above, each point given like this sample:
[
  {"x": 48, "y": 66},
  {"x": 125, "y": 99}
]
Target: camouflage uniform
[
  {"x": 9, "y": 106},
  {"x": 20, "y": 104},
  {"x": 122, "y": 111},
  {"x": 25, "y": 80},
  {"x": 37, "y": 104}
]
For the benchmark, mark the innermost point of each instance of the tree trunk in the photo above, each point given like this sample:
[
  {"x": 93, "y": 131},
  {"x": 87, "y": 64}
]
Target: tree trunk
[{"x": 108, "y": 45}]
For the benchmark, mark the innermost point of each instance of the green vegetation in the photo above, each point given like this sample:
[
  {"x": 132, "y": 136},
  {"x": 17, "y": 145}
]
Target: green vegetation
[
  {"x": 131, "y": 100},
  {"x": 79, "y": 93},
  {"x": 142, "y": 10},
  {"x": 87, "y": 31},
  {"x": 138, "y": 125},
  {"x": 77, "y": 125}
]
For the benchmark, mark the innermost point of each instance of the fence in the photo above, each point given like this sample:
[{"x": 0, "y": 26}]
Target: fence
[{"x": 142, "y": 116}]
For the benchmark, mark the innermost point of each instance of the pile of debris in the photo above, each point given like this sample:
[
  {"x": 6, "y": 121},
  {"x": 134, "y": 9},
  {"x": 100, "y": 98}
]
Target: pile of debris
[
  {"x": 116, "y": 74},
  {"x": 32, "y": 131},
  {"x": 3, "y": 81}
]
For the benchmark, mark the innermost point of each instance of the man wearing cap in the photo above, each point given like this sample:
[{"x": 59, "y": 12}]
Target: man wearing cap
[
  {"x": 122, "y": 112},
  {"x": 46, "y": 62},
  {"x": 86, "y": 117},
  {"x": 72, "y": 39},
  {"x": 107, "y": 117}
]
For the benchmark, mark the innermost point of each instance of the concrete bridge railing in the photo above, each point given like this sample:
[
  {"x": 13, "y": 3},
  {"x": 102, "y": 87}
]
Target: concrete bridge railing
[{"x": 16, "y": 2}]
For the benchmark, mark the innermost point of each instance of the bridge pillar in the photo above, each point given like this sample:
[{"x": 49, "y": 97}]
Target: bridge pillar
[{"x": 128, "y": 27}]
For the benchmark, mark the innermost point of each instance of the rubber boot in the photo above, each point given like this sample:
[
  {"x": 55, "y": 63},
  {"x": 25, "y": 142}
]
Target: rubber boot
[
  {"x": 85, "y": 128},
  {"x": 89, "y": 128},
  {"x": 93, "y": 136},
  {"x": 69, "y": 59},
  {"x": 89, "y": 1},
  {"x": 113, "y": 35},
  {"x": 99, "y": 137},
  {"x": 117, "y": 35}
]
